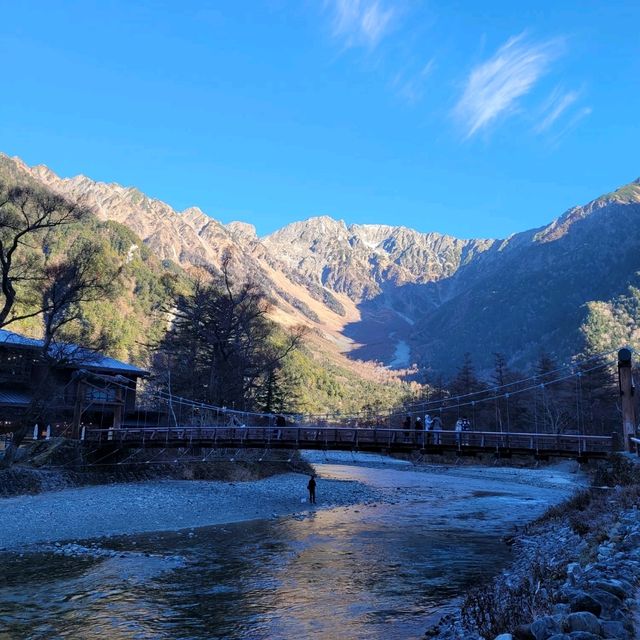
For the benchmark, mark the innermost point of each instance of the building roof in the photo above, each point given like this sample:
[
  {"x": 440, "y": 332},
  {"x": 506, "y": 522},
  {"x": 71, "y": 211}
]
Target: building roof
[
  {"x": 77, "y": 356},
  {"x": 14, "y": 398}
]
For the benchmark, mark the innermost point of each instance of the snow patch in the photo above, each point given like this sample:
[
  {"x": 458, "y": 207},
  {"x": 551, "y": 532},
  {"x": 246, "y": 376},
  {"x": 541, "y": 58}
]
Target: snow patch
[
  {"x": 406, "y": 318},
  {"x": 401, "y": 355}
]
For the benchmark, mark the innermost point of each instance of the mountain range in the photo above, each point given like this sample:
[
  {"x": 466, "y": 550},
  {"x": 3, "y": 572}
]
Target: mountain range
[{"x": 393, "y": 294}]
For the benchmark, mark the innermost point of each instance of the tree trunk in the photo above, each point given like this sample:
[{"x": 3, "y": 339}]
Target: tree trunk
[{"x": 18, "y": 438}]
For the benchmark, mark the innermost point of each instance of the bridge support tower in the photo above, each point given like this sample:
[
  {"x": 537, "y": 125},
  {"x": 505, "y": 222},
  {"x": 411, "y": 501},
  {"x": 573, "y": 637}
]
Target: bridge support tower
[{"x": 625, "y": 380}]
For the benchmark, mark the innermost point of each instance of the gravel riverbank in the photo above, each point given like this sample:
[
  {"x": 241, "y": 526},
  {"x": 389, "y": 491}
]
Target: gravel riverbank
[
  {"x": 96, "y": 511},
  {"x": 483, "y": 498}
]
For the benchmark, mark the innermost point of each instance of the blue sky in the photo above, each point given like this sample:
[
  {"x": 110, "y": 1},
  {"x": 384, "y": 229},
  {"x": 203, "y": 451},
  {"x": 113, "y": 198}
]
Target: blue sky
[{"x": 477, "y": 119}]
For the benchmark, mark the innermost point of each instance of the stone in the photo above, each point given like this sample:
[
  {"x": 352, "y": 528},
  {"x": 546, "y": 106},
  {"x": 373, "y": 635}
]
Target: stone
[
  {"x": 584, "y": 635},
  {"x": 609, "y": 602},
  {"x": 582, "y": 621},
  {"x": 584, "y": 602},
  {"x": 632, "y": 540},
  {"x": 523, "y": 632},
  {"x": 504, "y": 636},
  {"x": 619, "y": 588},
  {"x": 574, "y": 572},
  {"x": 615, "y": 629},
  {"x": 544, "y": 628}
]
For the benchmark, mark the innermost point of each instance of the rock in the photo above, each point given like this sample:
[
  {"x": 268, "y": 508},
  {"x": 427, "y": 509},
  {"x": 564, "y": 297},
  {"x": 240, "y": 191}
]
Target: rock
[
  {"x": 583, "y": 635},
  {"x": 632, "y": 540},
  {"x": 615, "y": 629},
  {"x": 504, "y": 636},
  {"x": 574, "y": 572},
  {"x": 561, "y": 609},
  {"x": 582, "y": 621},
  {"x": 523, "y": 632},
  {"x": 584, "y": 602},
  {"x": 560, "y": 636},
  {"x": 544, "y": 628},
  {"x": 619, "y": 588},
  {"x": 609, "y": 602}
]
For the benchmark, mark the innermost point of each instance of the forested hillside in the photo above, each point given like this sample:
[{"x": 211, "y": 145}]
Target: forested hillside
[
  {"x": 132, "y": 321},
  {"x": 385, "y": 293}
]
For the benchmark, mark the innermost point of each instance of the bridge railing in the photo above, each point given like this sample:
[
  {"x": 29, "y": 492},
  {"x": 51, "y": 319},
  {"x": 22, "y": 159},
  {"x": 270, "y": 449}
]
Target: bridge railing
[{"x": 348, "y": 438}]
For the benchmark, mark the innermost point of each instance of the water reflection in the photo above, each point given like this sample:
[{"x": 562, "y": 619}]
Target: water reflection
[{"x": 365, "y": 572}]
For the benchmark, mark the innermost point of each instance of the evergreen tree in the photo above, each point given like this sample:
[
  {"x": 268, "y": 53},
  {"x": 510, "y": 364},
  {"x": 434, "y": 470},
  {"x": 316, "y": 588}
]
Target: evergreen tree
[
  {"x": 221, "y": 347},
  {"x": 466, "y": 380}
]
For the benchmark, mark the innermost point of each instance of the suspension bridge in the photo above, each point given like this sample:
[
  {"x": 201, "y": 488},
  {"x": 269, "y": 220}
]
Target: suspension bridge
[{"x": 547, "y": 415}]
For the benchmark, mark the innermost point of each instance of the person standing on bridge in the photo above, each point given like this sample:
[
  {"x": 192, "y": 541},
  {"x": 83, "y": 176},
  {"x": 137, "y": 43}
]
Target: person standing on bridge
[
  {"x": 458, "y": 429},
  {"x": 407, "y": 428},
  {"x": 311, "y": 486},
  {"x": 437, "y": 430},
  {"x": 428, "y": 424},
  {"x": 419, "y": 429}
]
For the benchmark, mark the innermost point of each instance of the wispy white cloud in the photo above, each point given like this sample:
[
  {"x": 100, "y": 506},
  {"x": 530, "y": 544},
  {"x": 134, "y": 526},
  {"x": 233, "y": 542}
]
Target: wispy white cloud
[
  {"x": 577, "y": 117},
  {"x": 361, "y": 22},
  {"x": 494, "y": 87},
  {"x": 557, "y": 103},
  {"x": 411, "y": 87}
]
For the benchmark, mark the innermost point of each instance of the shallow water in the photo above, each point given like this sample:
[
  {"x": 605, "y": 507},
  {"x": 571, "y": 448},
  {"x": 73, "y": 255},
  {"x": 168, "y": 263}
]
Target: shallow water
[{"x": 349, "y": 573}]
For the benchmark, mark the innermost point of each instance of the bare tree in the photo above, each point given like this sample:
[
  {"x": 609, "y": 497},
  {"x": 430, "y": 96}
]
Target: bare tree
[
  {"x": 27, "y": 217},
  {"x": 70, "y": 282},
  {"x": 67, "y": 283}
]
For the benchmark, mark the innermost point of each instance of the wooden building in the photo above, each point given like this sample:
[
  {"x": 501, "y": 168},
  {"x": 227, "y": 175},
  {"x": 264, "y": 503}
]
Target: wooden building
[{"x": 67, "y": 388}]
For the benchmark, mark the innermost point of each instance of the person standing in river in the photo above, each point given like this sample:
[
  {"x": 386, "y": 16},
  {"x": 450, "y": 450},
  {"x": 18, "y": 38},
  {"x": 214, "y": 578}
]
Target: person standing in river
[{"x": 311, "y": 486}]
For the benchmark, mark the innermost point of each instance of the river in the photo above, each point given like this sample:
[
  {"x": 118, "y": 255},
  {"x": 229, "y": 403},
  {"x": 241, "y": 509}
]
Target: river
[{"x": 380, "y": 570}]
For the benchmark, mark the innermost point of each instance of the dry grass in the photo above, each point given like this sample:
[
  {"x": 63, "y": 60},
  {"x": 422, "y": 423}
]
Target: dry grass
[
  {"x": 490, "y": 609},
  {"x": 507, "y": 603}
]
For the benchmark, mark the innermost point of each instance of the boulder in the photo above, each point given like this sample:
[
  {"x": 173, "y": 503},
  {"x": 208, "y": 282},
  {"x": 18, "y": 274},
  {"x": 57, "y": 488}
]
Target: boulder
[
  {"x": 616, "y": 629},
  {"x": 544, "y": 628},
  {"x": 585, "y": 602},
  {"x": 609, "y": 603},
  {"x": 620, "y": 588},
  {"x": 523, "y": 632},
  {"x": 582, "y": 621},
  {"x": 504, "y": 636},
  {"x": 574, "y": 572}
]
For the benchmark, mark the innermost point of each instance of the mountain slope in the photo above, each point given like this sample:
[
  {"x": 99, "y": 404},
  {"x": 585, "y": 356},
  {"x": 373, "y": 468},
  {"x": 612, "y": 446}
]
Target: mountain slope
[
  {"x": 393, "y": 294},
  {"x": 531, "y": 292}
]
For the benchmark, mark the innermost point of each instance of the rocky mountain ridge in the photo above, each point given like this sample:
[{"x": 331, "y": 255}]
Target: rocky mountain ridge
[{"x": 391, "y": 293}]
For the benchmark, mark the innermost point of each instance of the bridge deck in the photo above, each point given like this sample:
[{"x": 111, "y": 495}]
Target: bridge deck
[{"x": 354, "y": 439}]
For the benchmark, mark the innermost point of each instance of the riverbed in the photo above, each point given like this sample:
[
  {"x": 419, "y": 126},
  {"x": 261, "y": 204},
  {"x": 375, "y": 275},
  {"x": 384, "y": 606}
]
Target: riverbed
[{"x": 388, "y": 548}]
